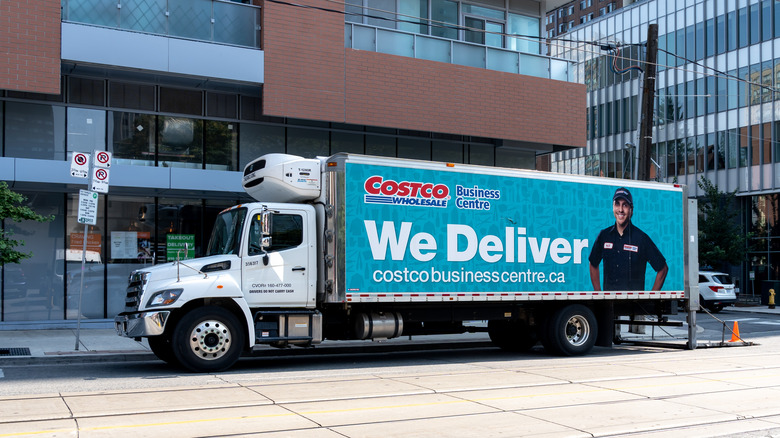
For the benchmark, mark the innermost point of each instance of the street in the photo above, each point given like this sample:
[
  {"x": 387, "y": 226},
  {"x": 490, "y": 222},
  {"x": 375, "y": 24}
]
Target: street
[{"x": 626, "y": 390}]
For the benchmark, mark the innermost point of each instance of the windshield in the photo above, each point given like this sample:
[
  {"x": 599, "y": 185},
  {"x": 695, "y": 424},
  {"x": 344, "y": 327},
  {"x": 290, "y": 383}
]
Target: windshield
[{"x": 227, "y": 232}]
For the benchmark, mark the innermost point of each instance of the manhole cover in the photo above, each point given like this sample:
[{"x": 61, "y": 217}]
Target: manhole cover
[{"x": 14, "y": 351}]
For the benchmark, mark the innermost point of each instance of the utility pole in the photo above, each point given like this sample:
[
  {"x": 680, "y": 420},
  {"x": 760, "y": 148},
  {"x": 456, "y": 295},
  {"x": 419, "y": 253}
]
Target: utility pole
[{"x": 648, "y": 104}]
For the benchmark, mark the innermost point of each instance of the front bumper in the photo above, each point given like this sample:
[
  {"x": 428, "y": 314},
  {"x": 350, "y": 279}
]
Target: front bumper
[{"x": 136, "y": 325}]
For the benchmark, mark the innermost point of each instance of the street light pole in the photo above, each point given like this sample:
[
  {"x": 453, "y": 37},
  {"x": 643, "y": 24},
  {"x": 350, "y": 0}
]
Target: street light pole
[{"x": 648, "y": 104}]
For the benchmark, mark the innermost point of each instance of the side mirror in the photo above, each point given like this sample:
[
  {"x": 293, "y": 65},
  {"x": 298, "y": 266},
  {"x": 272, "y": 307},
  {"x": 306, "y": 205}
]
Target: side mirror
[{"x": 266, "y": 226}]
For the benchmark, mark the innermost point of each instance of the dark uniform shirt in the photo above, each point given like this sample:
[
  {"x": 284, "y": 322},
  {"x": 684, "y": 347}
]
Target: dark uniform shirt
[{"x": 625, "y": 257}]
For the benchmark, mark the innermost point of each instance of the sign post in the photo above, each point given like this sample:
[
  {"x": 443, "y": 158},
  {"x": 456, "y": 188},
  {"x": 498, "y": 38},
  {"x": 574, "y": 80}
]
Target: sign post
[{"x": 88, "y": 206}]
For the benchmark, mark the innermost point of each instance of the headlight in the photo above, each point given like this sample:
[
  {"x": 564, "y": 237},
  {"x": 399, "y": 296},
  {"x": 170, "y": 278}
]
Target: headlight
[{"x": 164, "y": 297}]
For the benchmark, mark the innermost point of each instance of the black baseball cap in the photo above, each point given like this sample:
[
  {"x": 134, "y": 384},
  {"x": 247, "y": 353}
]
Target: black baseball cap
[{"x": 624, "y": 194}]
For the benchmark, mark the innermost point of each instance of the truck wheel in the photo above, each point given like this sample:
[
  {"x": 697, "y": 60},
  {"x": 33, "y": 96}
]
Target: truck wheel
[
  {"x": 512, "y": 336},
  {"x": 208, "y": 339},
  {"x": 162, "y": 348},
  {"x": 571, "y": 331}
]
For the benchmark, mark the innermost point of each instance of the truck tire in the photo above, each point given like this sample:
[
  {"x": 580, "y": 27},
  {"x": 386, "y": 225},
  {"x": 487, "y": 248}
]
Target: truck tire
[
  {"x": 162, "y": 348},
  {"x": 513, "y": 336},
  {"x": 570, "y": 331},
  {"x": 208, "y": 339}
]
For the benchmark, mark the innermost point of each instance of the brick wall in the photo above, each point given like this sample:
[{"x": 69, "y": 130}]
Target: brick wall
[
  {"x": 310, "y": 75},
  {"x": 30, "y": 45}
]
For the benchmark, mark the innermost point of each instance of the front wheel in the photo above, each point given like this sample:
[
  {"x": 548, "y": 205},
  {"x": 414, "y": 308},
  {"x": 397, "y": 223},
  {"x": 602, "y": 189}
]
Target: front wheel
[
  {"x": 570, "y": 331},
  {"x": 162, "y": 348},
  {"x": 208, "y": 339}
]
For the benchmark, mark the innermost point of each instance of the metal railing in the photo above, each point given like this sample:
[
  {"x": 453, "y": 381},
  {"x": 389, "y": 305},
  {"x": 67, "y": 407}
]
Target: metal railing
[
  {"x": 396, "y": 42},
  {"x": 223, "y": 22}
]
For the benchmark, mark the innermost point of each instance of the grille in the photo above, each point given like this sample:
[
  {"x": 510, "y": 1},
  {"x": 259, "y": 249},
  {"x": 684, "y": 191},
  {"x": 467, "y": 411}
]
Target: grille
[
  {"x": 23, "y": 351},
  {"x": 135, "y": 289}
]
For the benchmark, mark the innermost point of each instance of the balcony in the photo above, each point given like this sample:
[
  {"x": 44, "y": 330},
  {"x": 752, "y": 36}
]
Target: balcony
[
  {"x": 221, "y": 22},
  {"x": 396, "y": 42}
]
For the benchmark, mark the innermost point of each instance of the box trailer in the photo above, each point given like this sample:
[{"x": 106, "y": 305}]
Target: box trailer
[{"x": 359, "y": 247}]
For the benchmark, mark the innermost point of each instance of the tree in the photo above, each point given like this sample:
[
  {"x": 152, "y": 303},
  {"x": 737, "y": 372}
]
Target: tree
[
  {"x": 11, "y": 208},
  {"x": 721, "y": 240}
]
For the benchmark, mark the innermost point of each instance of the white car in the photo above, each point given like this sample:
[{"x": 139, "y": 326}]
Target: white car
[{"x": 716, "y": 290}]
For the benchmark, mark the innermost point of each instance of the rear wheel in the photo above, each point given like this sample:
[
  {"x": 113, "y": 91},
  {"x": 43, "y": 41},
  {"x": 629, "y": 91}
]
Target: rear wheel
[
  {"x": 208, "y": 339},
  {"x": 515, "y": 336},
  {"x": 571, "y": 331}
]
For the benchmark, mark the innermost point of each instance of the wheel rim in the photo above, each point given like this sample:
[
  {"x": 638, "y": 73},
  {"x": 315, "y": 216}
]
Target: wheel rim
[
  {"x": 210, "y": 339},
  {"x": 577, "y": 330}
]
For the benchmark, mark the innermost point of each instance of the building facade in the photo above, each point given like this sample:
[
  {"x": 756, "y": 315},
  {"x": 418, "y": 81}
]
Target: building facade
[
  {"x": 184, "y": 93},
  {"x": 716, "y": 108},
  {"x": 568, "y": 15}
]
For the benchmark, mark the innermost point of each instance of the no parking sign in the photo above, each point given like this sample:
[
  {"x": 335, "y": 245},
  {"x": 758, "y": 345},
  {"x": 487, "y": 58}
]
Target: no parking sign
[
  {"x": 100, "y": 180},
  {"x": 102, "y": 159}
]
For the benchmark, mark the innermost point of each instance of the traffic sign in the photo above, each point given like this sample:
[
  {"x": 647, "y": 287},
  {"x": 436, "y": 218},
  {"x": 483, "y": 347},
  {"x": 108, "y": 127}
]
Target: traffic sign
[
  {"x": 100, "y": 180},
  {"x": 88, "y": 206},
  {"x": 102, "y": 159},
  {"x": 79, "y": 165}
]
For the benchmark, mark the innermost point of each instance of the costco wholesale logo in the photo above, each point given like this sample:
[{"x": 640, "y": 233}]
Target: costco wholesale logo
[{"x": 387, "y": 191}]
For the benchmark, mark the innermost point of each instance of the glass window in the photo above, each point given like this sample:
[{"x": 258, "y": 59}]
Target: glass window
[
  {"x": 86, "y": 130},
  {"x": 307, "y": 143},
  {"x": 744, "y": 95},
  {"x": 86, "y": 91},
  {"x": 132, "y": 138},
  {"x": 180, "y": 142},
  {"x": 351, "y": 142},
  {"x": 180, "y": 101},
  {"x": 701, "y": 101},
  {"x": 690, "y": 42},
  {"x": 755, "y": 23},
  {"x": 482, "y": 154},
  {"x": 130, "y": 224},
  {"x": 715, "y": 157},
  {"x": 776, "y": 21},
  {"x": 93, "y": 295},
  {"x": 448, "y": 152},
  {"x": 34, "y": 131},
  {"x": 258, "y": 140},
  {"x": 733, "y": 91},
  {"x": 720, "y": 34},
  {"x": 766, "y": 20},
  {"x": 444, "y": 11},
  {"x": 709, "y": 38},
  {"x": 132, "y": 96},
  {"x": 354, "y": 11},
  {"x": 722, "y": 93},
  {"x": 699, "y": 147},
  {"x": 731, "y": 31},
  {"x": 411, "y": 10},
  {"x": 287, "y": 231},
  {"x": 776, "y": 140},
  {"x": 222, "y": 105},
  {"x": 33, "y": 290},
  {"x": 251, "y": 108},
  {"x": 382, "y": 14},
  {"x": 526, "y": 26},
  {"x": 380, "y": 145},
  {"x": 766, "y": 143},
  {"x": 700, "y": 41},
  {"x": 182, "y": 218},
  {"x": 418, "y": 149},
  {"x": 731, "y": 142},
  {"x": 474, "y": 36},
  {"x": 221, "y": 140},
  {"x": 742, "y": 27},
  {"x": 741, "y": 135}
]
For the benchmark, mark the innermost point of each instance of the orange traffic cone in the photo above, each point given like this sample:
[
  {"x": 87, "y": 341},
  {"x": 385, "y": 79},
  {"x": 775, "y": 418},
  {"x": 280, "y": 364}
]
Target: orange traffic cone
[{"x": 735, "y": 333}]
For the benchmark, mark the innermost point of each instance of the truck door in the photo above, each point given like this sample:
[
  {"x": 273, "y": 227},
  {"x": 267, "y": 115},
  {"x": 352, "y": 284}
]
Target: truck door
[{"x": 281, "y": 274}]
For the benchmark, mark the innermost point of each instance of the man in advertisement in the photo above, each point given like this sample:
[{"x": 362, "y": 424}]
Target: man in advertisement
[{"x": 625, "y": 250}]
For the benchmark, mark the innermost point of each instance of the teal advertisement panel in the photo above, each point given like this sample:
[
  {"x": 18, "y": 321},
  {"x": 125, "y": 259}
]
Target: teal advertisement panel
[{"x": 424, "y": 230}]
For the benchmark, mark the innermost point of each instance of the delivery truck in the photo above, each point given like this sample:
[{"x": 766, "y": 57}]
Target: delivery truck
[{"x": 355, "y": 247}]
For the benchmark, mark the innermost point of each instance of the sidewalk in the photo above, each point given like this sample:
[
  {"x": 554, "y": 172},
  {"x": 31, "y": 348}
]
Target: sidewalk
[{"x": 21, "y": 347}]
